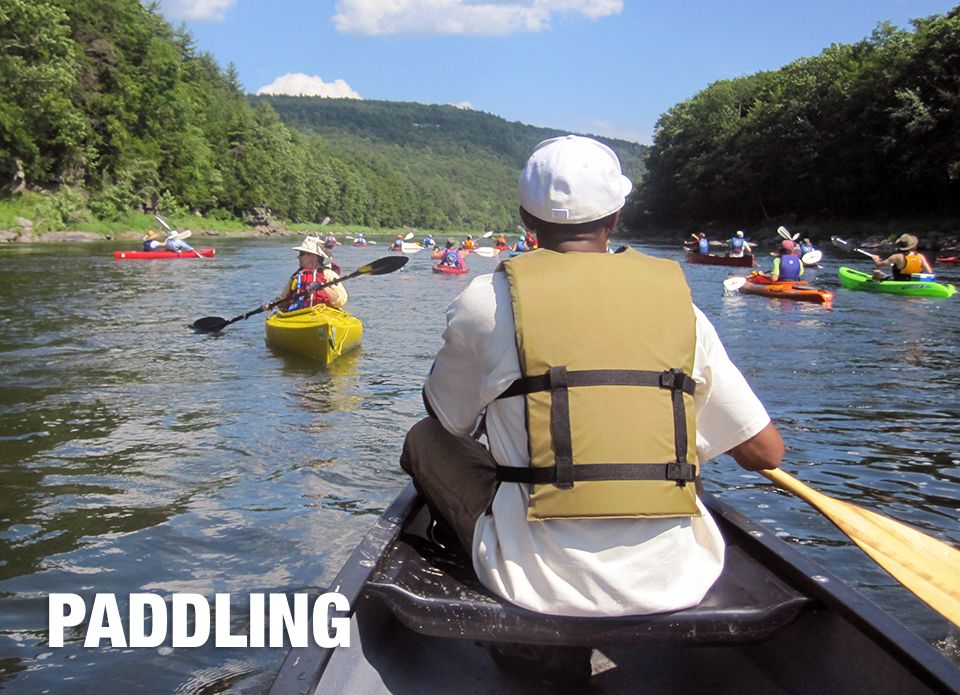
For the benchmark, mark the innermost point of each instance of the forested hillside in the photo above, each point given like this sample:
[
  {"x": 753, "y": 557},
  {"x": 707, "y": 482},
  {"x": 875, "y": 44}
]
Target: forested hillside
[
  {"x": 869, "y": 129},
  {"x": 110, "y": 111}
]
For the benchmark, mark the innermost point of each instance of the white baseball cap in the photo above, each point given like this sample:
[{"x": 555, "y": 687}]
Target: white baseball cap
[{"x": 572, "y": 179}]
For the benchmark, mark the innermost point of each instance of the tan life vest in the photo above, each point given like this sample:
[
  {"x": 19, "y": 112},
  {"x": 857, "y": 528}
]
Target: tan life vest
[{"x": 610, "y": 415}]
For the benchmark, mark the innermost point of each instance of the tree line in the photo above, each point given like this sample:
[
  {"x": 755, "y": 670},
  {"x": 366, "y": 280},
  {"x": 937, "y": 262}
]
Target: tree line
[
  {"x": 111, "y": 109},
  {"x": 861, "y": 130}
]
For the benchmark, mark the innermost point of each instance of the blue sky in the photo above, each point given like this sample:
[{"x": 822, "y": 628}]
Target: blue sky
[{"x": 606, "y": 67}]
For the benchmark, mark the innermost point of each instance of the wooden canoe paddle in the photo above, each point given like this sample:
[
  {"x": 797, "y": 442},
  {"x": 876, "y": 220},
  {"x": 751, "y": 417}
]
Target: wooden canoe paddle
[{"x": 926, "y": 566}]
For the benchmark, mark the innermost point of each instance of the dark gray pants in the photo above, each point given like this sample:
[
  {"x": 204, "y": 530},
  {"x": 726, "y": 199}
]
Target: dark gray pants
[{"x": 455, "y": 475}]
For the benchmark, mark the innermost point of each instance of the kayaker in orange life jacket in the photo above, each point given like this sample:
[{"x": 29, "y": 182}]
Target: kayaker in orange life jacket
[
  {"x": 308, "y": 277},
  {"x": 905, "y": 262}
]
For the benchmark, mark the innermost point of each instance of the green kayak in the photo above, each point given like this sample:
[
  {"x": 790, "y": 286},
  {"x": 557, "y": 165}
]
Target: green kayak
[{"x": 855, "y": 280}]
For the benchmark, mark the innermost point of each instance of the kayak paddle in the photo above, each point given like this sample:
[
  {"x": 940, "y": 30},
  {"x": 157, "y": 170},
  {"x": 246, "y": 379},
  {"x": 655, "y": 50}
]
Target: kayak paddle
[
  {"x": 926, "y": 566},
  {"x": 849, "y": 246},
  {"x": 812, "y": 257},
  {"x": 782, "y": 231},
  {"x": 381, "y": 266},
  {"x": 485, "y": 251},
  {"x": 734, "y": 283}
]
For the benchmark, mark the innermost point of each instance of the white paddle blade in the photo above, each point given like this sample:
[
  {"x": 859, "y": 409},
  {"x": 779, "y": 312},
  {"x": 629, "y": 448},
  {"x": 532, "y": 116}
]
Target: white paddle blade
[
  {"x": 163, "y": 222},
  {"x": 486, "y": 252},
  {"x": 734, "y": 283},
  {"x": 782, "y": 231},
  {"x": 408, "y": 236},
  {"x": 812, "y": 258},
  {"x": 184, "y": 235},
  {"x": 326, "y": 221},
  {"x": 487, "y": 234}
]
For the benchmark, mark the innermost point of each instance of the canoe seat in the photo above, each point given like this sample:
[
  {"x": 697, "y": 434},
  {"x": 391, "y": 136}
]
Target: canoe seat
[{"x": 435, "y": 592}]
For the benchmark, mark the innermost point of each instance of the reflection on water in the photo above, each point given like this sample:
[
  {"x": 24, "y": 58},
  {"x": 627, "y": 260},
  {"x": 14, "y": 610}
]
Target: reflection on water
[{"x": 139, "y": 456}]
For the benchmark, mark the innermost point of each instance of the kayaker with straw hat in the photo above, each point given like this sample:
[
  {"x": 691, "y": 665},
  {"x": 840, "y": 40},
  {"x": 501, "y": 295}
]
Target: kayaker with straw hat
[
  {"x": 311, "y": 273},
  {"x": 905, "y": 262},
  {"x": 585, "y": 503},
  {"x": 151, "y": 241}
]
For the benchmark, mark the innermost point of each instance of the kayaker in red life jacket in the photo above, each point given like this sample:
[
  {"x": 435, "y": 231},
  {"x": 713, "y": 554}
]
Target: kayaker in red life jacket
[
  {"x": 787, "y": 267},
  {"x": 451, "y": 256},
  {"x": 905, "y": 262},
  {"x": 308, "y": 277}
]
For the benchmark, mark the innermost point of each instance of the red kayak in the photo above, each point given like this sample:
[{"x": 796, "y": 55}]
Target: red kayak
[
  {"x": 745, "y": 261},
  {"x": 450, "y": 269},
  {"x": 156, "y": 255}
]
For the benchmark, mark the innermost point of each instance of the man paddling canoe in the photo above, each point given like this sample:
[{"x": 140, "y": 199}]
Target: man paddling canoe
[{"x": 585, "y": 504}]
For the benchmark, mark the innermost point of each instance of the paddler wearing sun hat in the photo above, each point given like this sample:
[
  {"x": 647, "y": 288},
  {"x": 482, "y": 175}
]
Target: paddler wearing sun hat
[
  {"x": 151, "y": 241},
  {"x": 905, "y": 262},
  {"x": 311, "y": 274}
]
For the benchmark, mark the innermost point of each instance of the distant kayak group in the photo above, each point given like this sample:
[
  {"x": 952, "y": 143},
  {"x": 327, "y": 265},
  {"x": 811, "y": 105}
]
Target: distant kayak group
[{"x": 910, "y": 272}]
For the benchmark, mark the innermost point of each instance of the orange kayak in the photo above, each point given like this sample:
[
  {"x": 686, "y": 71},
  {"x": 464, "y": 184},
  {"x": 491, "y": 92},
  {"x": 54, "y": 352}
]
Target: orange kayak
[{"x": 798, "y": 290}]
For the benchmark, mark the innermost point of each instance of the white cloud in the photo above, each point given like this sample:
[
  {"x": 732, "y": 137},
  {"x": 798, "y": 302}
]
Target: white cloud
[
  {"x": 477, "y": 17},
  {"x": 298, "y": 84},
  {"x": 197, "y": 10},
  {"x": 463, "y": 105}
]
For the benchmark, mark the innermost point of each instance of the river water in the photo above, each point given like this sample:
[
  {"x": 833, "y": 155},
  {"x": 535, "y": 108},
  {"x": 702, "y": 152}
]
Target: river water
[{"x": 136, "y": 456}]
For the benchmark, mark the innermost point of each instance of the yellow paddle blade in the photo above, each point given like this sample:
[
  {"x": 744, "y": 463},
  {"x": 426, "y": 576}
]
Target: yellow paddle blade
[{"x": 926, "y": 566}]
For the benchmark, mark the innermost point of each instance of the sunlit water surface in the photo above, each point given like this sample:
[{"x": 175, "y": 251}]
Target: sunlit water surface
[{"x": 136, "y": 456}]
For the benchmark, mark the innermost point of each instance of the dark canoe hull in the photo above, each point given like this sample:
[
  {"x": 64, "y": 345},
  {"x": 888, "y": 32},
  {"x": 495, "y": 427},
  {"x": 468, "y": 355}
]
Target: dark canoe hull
[
  {"x": 417, "y": 613},
  {"x": 745, "y": 261}
]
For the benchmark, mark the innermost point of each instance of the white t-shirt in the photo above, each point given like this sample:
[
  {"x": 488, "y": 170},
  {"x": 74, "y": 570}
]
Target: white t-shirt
[{"x": 585, "y": 567}]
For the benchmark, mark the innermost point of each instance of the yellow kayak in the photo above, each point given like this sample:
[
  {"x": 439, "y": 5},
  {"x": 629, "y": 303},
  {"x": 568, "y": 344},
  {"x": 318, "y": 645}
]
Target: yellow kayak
[{"x": 321, "y": 332}]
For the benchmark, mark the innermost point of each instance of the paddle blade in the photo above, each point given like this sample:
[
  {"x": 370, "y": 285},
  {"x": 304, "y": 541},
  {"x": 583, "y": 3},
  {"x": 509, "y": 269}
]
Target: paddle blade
[
  {"x": 486, "y": 252},
  {"x": 926, "y": 566},
  {"x": 209, "y": 324},
  {"x": 186, "y": 234},
  {"x": 782, "y": 231},
  {"x": 812, "y": 258},
  {"x": 382, "y": 266},
  {"x": 487, "y": 234},
  {"x": 408, "y": 236},
  {"x": 163, "y": 222},
  {"x": 326, "y": 221},
  {"x": 734, "y": 283}
]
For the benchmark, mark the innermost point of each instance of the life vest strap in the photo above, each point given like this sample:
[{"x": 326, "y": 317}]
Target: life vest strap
[
  {"x": 671, "y": 379},
  {"x": 681, "y": 473}
]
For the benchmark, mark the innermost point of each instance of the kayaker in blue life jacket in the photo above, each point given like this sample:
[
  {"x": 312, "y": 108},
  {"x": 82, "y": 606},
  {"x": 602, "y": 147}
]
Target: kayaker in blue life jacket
[
  {"x": 151, "y": 241},
  {"x": 703, "y": 244},
  {"x": 360, "y": 240},
  {"x": 451, "y": 256},
  {"x": 787, "y": 267},
  {"x": 428, "y": 242},
  {"x": 397, "y": 244},
  {"x": 739, "y": 245},
  {"x": 806, "y": 246},
  {"x": 521, "y": 245}
]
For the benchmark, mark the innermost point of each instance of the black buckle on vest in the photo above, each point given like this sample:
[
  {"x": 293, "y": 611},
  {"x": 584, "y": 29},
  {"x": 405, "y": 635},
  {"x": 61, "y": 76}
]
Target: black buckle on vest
[
  {"x": 672, "y": 379},
  {"x": 681, "y": 472}
]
